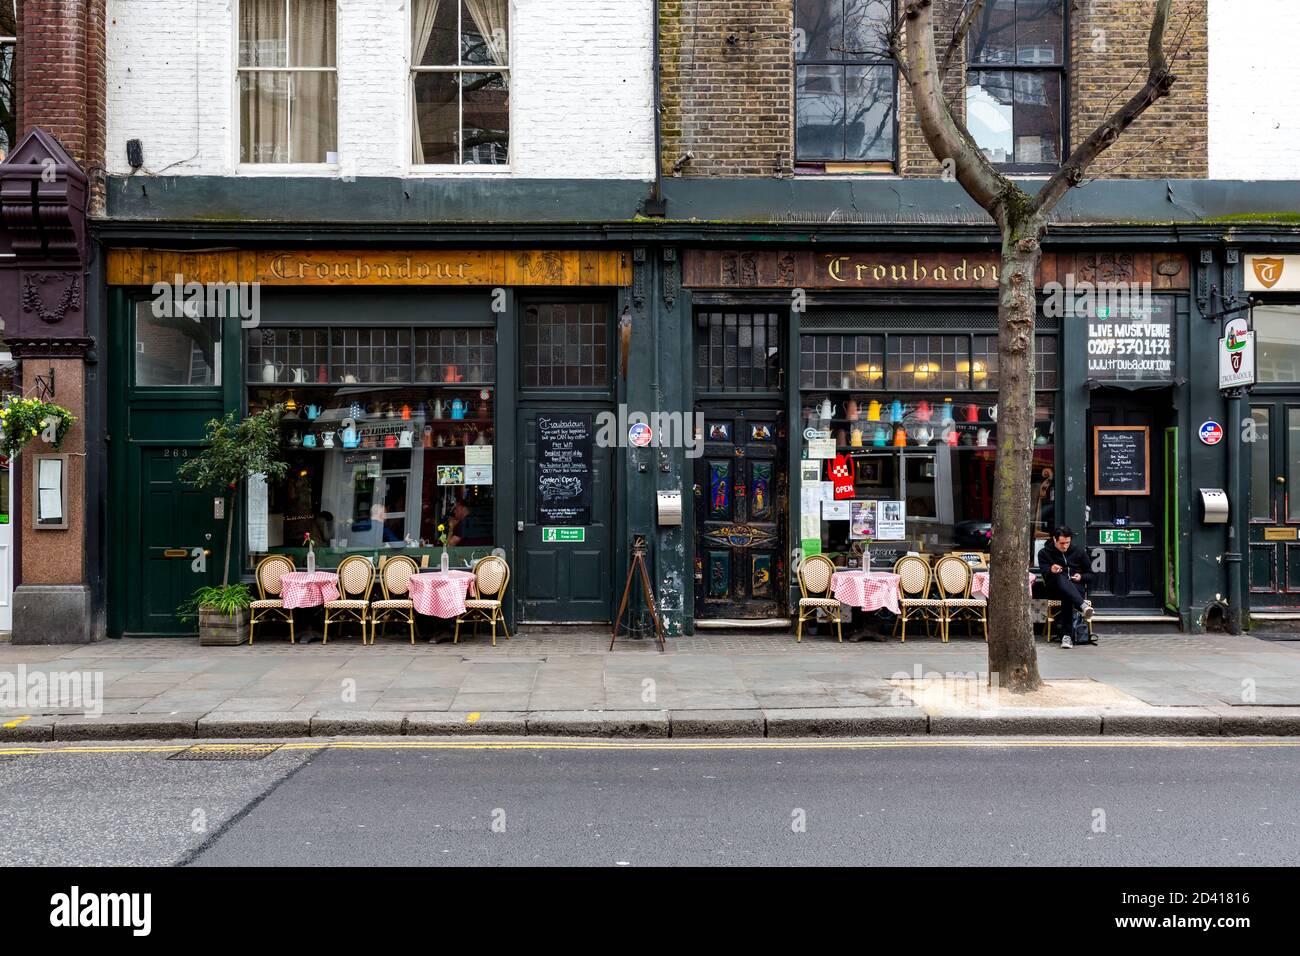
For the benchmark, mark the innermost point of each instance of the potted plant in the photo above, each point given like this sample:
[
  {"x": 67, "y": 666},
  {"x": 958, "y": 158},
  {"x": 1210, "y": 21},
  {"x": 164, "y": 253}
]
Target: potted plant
[
  {"x": 236, "y": 450},
  {"x": 22, "y": 419}
]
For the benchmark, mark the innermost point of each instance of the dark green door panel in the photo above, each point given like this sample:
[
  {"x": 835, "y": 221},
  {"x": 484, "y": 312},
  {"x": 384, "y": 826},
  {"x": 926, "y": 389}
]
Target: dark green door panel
[
  {"x": 1273, "y": 445},
  {"x": 175, "y": 523},
  {"x": 562, "y": 582}
]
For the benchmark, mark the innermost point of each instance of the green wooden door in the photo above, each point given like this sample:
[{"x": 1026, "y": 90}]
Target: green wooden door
[
  {"x": 181, "y": 541},
  {"x": 563, "y": 575}
]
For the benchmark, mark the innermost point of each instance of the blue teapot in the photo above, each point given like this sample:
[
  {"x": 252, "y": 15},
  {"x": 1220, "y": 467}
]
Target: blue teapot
[
  {"x": 313, "y": 412},
  {"x": 309, "y": 440},
  {"x": 350, "y": 437},
  {"x": 457, "y": 409},
  {"x": 896, "y": 411},
  {"x": 880, "y": 438}
]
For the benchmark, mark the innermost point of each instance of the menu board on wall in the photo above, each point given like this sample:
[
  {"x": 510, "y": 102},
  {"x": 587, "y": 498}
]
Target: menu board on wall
[
  {"x": 1120, "y": 455},
  {"x": 1132, "y": 342},
  {"x": 564, "y": 468}
]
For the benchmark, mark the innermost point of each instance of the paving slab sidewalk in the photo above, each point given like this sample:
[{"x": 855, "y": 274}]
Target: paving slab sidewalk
[{"x": 705, "y": 686}]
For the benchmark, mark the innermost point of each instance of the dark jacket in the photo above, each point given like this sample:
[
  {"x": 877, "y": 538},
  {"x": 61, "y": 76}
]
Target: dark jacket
[{"x": 1075, "y": 561}]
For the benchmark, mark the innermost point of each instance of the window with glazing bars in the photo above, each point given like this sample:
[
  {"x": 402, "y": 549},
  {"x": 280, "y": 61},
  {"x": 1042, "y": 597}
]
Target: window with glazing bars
[
  {"x": 841, "y": 361},
  {"x": 738, "y": 352},
  {"x": 566, "y": 345}
]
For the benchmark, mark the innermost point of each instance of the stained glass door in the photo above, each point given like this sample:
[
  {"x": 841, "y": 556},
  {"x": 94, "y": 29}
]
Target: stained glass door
[{"x": 740, "y": 506}]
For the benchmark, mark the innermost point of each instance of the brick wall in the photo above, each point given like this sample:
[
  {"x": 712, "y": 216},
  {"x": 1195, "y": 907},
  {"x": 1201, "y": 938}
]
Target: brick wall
[
  {"x": 732, "y": 103},
  {"x": 727, "y": 86},
  {"x": 1109, "y": 52},
  {"x": 60, "y": 74}
]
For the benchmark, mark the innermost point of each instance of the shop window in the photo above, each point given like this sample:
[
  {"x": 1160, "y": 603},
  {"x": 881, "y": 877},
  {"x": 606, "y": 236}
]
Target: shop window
[
  {"x": 1015, "y": 80},
  {"x": 1261, "y": 466},
  {"x": 1277, "y": 343},
  {"x": 928, "y": 438},
  {"x": 176, "y": 348},
  {"x": 738, "y": 352},
  {"x": 388, "y": 433},
  {"x": 460, "y": 82},
  {"x": 845, "y": 86},
  {"x": 8, "y": 80},
  {"x": 842, "y": 361},
  {"x": 288, "y": 96},
  {"x": 566, "y": 345}
]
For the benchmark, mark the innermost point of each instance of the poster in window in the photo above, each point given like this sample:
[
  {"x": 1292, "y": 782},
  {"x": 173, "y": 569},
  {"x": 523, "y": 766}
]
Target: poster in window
[
  {"x": 891, "y": 521},
  {"x": 564, "y": 461}
]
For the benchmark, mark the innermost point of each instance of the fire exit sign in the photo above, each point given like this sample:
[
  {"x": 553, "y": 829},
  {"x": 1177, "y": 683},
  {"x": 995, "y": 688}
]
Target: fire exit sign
[
  {"x": 550, "y": 535},
  {"x": 1121, "y": 536}
]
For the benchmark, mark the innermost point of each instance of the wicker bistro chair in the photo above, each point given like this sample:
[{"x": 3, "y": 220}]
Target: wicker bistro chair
[
  {"x": 395, "y": 579},
  {"x": 954, "y": 578},
  {"x": 815, "y": 572},
  {"x": 356, "y": 575},
  {"x": 491, "y": 576},
  {"x": 270, "y": 604},
  {"x": 914, "y": 601}
]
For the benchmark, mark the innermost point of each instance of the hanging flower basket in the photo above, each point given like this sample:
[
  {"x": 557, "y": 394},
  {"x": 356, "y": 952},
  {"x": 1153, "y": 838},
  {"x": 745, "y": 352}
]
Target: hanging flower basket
[{"x": 23, "y": 419}]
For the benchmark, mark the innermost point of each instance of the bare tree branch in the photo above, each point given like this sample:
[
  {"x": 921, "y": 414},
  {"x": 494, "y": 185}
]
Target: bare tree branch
[
  {"x": 1159, "y": 81},
  {"x": 959, "y": 36},
  {"x": 947, "y": 138}
]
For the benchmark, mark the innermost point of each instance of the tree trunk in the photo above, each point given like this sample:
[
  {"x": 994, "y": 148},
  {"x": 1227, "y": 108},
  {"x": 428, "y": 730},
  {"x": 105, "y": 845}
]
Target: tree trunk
[
  {"x": 230, "y": 529},
  {"x": 1011, "y": 636}
]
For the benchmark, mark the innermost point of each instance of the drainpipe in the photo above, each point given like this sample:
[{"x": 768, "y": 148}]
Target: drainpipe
[
  {"x": 656, "y": 205},
  {"x": 1232, "y": 557}
]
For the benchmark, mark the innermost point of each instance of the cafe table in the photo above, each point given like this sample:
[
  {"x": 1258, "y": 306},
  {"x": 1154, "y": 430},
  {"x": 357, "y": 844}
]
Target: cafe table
[
  {"x": 868, "y": 590},
  {"x": 441, "y": 593},
  {"x": 979, "y": 585},
  {"x": 308, "y": 588}
]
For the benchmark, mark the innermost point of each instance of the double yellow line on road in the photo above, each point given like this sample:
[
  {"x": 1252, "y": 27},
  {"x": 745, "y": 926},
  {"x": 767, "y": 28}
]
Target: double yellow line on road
[{"x": 33, "y": 750}]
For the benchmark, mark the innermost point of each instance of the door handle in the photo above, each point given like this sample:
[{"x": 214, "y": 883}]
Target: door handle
[
  {"x": 519, "y": 526},
  {"x": 1281, "y": 480}
]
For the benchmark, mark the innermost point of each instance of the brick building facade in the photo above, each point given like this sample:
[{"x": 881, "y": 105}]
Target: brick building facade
[{"x": 727, "y": 81}]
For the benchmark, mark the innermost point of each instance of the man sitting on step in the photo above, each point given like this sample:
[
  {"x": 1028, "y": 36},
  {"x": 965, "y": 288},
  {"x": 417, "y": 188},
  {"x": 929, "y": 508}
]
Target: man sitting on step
[{"x": 1065, "y": 570}]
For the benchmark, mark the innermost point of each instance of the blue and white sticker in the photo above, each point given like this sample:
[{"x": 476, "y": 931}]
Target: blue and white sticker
[
  {"x": 1211, "y": 432},
  {"x": 639, "y": 435}
]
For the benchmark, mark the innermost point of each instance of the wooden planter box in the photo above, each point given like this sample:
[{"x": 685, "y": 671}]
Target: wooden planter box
[{"x": 221, "y": 630}]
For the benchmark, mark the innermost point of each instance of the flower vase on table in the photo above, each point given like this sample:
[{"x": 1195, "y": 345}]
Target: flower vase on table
[{"x": 311, "y": 555}]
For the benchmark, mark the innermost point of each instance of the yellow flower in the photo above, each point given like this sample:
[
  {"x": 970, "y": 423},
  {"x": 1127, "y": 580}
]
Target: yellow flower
[
  {"x": 442, "y": 527},
  {"x": 33, "y": 431}
]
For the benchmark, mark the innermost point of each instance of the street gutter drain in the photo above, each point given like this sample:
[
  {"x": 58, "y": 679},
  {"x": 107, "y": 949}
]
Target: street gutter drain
[{"x": 225, "y": 752}]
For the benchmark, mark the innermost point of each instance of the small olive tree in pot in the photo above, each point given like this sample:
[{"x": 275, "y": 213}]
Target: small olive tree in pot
[{"x": 236, "y": 450}]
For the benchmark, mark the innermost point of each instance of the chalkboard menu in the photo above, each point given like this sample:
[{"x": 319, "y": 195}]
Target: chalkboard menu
[
  {"x": 564, "y": 468},
  {"x": 1120, "y": 455}
]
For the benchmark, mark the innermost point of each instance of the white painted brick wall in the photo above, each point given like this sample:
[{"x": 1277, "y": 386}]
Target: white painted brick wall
[
  {"x": 1254, "y": 89},
  {"x": 581, "y": 88}
]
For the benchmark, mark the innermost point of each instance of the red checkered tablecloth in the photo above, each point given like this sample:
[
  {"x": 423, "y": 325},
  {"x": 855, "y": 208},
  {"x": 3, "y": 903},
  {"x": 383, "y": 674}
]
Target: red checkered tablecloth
[
  {"x": 441, "y": 593},
  {"x": 309, "y": 588},
  {"x": 979, "y": 585},
  {"x": 869, "y": 590}
]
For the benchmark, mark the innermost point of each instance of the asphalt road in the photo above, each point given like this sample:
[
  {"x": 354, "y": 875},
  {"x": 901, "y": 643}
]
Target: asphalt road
[{"x": 882, "y": 803}]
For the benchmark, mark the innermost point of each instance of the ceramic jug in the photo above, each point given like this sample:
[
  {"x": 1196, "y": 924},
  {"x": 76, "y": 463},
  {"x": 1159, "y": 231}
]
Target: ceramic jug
[
  {"x": 309, "y": 440},
  {"x": 327, "y": 439},
  {"x": 271, "y": 371},
  {"x": 300, "y": 376},
  {"x": 873, "y": 411},
  {"x": 826, "y": 409}
]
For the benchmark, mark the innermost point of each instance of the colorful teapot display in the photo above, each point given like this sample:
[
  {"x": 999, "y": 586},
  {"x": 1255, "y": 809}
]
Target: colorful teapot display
[
  {"x": 827, "y": 409},
  {"x": 457, "y": 409},
  {"x": 873, "y": 411}
]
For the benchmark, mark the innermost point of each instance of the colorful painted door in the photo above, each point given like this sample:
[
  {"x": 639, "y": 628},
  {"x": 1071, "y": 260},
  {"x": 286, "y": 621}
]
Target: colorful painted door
[{"x": 740, "y": 507}]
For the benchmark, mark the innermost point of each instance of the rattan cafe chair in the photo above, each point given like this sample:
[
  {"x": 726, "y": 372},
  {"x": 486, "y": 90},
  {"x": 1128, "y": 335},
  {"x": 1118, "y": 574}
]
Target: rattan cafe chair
[
  {"x": 395, "y": 579},
  {"x": 491, "y": 576},
  {"x": 914, "y": 601},
  {"x": 954, "y": 578},
  {"x": 815, "y": 573},
  {"x": 356, "y": 575},
  {"x": 270, "y": 603}
]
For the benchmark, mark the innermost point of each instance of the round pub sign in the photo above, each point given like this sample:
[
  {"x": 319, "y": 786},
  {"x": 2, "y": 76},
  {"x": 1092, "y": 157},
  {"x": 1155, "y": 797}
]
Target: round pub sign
[{"x": 1211, "y": 433}]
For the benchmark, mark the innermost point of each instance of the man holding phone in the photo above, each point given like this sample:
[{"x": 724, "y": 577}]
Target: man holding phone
[{"x": 1065, "y": 570}]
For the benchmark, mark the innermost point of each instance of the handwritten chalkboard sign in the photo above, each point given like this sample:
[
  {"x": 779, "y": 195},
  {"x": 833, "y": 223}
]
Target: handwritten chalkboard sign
[
  {"x": 1120, "y": 456},
  {"x": 564, "y": 468}
]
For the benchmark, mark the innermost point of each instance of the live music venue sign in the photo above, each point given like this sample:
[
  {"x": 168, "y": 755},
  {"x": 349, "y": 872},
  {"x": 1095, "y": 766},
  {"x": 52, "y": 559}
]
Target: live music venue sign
[{"x": 872, "y": 269}]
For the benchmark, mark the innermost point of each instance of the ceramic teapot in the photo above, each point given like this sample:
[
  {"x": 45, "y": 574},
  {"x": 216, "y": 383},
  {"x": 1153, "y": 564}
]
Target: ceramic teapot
[
  {"x": 982, "y": 438},
  {"x": 896, "y": 411},
  {"x": 855, "y": 436},
  {"x": 873, "y": 411},
  {"x": 300, "y": 376},
  {"x": 457, "y": 409},
  {"x": 881, "y": 438},
  {"x": 826, "y": 409},
  {"x": 271, "y": 371},
  {"x": 350, "y": 437},
  {"x": 313, "y": 412}
]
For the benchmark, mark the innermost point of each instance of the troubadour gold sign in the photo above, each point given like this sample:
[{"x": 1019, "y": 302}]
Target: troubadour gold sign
[{"x": 369, "y": 267}]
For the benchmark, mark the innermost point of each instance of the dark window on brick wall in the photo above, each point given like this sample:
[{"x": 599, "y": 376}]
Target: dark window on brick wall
[
  {"x": 845, "y": 85},
  {"x": 8, "y": 87},
  {"x": 1015, "y": 83}
]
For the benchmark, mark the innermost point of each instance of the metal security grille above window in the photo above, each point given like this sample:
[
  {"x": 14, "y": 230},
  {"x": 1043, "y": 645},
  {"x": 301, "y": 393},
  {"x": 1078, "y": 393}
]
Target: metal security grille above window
[
  {"x": 845, "y": 86},
  {"x": 738, "y": 352},
  {"x": 1015, "y": 83}
]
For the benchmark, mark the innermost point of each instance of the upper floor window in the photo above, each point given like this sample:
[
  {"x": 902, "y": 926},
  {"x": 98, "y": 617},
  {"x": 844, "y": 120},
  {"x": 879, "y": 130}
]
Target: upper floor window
[
  {"x": 460, "y": 82},
  {"x": 1015, "y": 81},
  {"x": 288, "y": 83},
  {"x": 845, "y": 86},
  {"x": 8, "y": 81}
]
